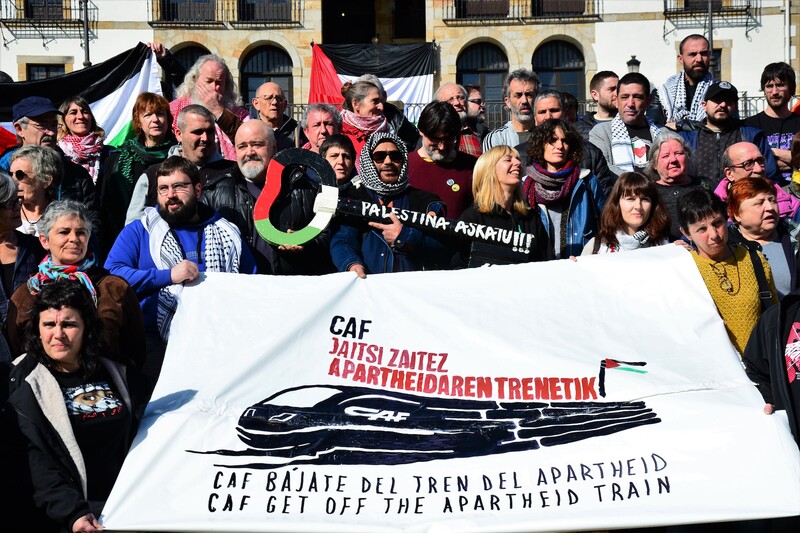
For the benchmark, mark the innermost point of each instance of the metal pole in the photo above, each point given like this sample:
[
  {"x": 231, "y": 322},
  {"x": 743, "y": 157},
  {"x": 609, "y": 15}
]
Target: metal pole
[
  {"x": 710, "y": 37},
  {"x": 85, "y": 9}
]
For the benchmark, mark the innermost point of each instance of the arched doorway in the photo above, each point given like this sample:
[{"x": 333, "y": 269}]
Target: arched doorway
[
  {"x": 560, "y": 66},
  {"x": 485, "y": 65},
  {"x": 187, "y": 55},
  {"x": 263, "y": 64}
]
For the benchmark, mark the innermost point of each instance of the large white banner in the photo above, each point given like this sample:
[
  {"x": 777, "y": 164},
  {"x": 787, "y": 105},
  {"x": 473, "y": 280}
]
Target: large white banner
[{"x": 595, "y": 394}]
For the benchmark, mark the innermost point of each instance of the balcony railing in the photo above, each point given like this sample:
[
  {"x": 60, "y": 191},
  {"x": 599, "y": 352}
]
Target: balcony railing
[
  {"x": 46, "y": 19},
  {"x": 218, "y": 12},
  {"x": 701, "y": 6},
  {"x": 525, "y": 11}
]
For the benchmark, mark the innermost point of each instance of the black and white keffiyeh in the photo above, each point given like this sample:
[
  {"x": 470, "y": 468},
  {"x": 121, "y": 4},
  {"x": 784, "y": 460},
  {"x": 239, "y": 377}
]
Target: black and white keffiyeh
[
  {"x": 621, "y": 148},
  {"x": 223, "y": 249},
  {"x": 673, "y": 98},
  {"x": 369, "y": 175}
]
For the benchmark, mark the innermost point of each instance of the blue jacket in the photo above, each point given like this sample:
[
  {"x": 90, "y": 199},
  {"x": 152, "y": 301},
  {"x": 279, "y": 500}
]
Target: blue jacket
[
  {"x": 130, "y": 259},
  {"x": 584, "y": 219},
  {"x": 353, "y": 241},
  {"x": 725, "y": 139}
]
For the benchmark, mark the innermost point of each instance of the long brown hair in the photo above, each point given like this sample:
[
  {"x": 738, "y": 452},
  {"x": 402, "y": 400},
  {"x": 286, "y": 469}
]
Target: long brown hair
[{"x": 633, "y": 184}]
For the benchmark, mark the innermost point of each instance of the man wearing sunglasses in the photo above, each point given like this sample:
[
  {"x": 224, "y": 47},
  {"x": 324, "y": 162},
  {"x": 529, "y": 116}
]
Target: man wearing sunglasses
[
  {"x": 476, "y": 111},
  {"x": 720, "y": 129},
  {"x": 36, "y": 123}
]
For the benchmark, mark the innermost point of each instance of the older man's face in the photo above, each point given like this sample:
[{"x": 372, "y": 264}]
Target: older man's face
[
  {"x": 453, "y": 95},
  {"x": 746, "y": 162},
  {"x": 212, "y": 77},
  {"x": 321, "y": 125},
  {"x": 254, "y": 151},
  {"x": 270, "y": 102},
  {"x": 41, "y": 130}
]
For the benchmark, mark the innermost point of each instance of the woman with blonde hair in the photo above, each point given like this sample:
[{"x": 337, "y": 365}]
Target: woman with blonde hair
[{"x": 499, "y": 202}]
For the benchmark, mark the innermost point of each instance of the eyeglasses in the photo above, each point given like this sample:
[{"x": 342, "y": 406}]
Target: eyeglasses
[
  {"x": 49, "y": 126},
  {"x": 278, "y": 98},
  {"x": 20, "y": 175},
  {"x": 457, "y": 98},
  {"x": 177, "y": 188},
  {"x": 476, "y": 101},
  {"x": 380, "y": 156},
  {"x": 750, "y": 163}
]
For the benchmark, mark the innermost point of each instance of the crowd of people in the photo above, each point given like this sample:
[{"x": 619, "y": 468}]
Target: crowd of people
[{"x": 96, "y": 243}]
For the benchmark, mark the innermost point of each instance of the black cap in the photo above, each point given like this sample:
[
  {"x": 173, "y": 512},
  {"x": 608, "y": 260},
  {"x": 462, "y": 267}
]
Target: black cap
[
  {"x": 721, "y": 88},
  {"x": 32, "y": 106}
]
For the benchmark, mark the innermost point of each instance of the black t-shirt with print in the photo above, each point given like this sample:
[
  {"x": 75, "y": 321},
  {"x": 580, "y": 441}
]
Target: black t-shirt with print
[
  {"x": 641, "y": 141},
  {"x": 101, "y": 423}
]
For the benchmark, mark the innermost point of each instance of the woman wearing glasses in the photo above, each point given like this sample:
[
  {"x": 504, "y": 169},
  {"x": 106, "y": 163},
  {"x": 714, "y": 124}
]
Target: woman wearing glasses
[
  {"x": 65, "y": 231},
  {"x": 376, "y": 247},
  {"x": 728, "y": 270},
  {"x": 80, "y": 137},
  {"x": 38, "y": 171},
  {"x": 20, "y": 253}
]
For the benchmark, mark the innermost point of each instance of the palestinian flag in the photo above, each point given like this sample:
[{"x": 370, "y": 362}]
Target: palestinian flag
[
  {"x": 614, "y": 364},
  {"x": 405, "y": 70},
  {"x": 110, "y": 87}
]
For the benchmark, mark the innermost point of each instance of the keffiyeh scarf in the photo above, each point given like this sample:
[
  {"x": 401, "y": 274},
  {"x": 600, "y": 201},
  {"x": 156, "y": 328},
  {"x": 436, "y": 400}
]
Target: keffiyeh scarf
[
  {"x": 369, "y": 125},
  {"x": 85, "y": 151},
  {"x": 621, "y": 149},
  {"x": 369, "y": 175},
  {"x": 50, "y": 272},
  {"x": 223, "y": 249},
  {"x": 673, "y": 98}
]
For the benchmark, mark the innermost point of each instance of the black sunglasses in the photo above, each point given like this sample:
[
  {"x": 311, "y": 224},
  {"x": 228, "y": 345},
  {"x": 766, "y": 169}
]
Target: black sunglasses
[{"x": 380, "y": 156}]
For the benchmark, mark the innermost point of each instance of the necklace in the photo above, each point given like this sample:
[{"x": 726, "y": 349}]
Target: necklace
[
  {"x": 31, "y": 229},
  {"x": 725, "y": 282}
]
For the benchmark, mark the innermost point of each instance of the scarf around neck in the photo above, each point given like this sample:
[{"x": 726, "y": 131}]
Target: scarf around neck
[
  {"x": 134, "y": 151},
  {"x": 50, "y": 272},
  {"x": 369, "y": 125},
  {"x": 85, "y": 151},
  {"x": 621, "y": 147},
  {"x": 673, "y": 98},
  {"x": 551, "y": 187}
]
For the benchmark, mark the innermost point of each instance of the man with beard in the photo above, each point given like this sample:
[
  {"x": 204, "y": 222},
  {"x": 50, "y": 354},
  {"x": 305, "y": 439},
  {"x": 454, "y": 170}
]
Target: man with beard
[
  {"x": 438, "y": 166},
  {"x": 779, "y": 123},
  {"x": 196, "y": 132},
  {"x": 679, "y": 99},
  {"x": 625, "y": 140},
  {"x": 456, "y": 95},
  {"x": 719, "y": 130},
  {"x": 476, "y": 111},
  {"x": 603, "y": 88},
  {"x": 519, "y": 91},
  {"x": 170, "y": 245},
  {"x": 235, "y": 193}
]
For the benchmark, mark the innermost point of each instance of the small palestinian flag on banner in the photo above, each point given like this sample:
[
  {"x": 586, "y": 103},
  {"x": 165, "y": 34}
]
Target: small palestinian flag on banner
[
  {"x": 613, "y": 364},
  {"x": 405, "y": 70},
  {"x": 110, "y": 87}
]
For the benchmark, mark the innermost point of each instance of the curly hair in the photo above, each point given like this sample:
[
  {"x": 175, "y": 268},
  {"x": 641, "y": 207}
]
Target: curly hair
[
  {"x": 545, "y": 133},
  {"x": 638, "y": 185},
  {"x": 59, "y": 295}
]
